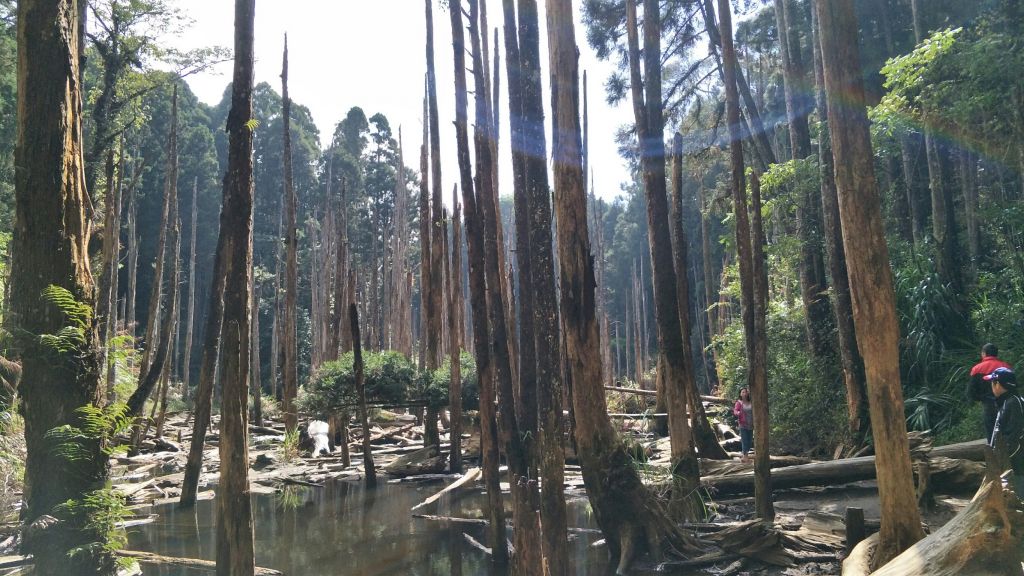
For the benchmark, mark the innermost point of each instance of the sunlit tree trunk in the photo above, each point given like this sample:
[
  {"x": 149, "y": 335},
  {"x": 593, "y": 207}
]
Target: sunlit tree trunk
[
  {"x": 867, "y": 261},
  {"x": 756, "y": 376},
  {"x": 853, "y": 365}
]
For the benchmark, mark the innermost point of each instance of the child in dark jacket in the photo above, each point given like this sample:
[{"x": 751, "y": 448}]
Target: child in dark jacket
[{"x": 1008, "y": 434}]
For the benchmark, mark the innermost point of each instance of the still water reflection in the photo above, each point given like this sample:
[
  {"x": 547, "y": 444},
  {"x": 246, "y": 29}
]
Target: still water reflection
[{"x": 344, "y": 529}]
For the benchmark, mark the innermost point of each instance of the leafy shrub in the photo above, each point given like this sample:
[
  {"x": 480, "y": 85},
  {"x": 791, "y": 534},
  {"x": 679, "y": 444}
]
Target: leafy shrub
[
  {"x": 389, "y": 377},
  {"x": 433, "y": 386}
]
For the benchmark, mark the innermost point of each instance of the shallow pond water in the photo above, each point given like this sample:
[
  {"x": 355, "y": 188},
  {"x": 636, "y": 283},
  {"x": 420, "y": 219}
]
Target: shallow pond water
[{"x": 344, "y": 529}]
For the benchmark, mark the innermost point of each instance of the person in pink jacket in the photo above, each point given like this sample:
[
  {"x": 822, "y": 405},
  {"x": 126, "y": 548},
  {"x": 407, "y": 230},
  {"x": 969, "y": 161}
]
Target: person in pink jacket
[{"x": 744, "y": 412}]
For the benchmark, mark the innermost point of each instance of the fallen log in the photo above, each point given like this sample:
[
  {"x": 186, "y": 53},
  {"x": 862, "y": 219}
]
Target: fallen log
[
  {"x": 382, "y": 435},
  {"x": 946, "y": 474},
  {"x": 191, "y": 563},
  {"x": 985, "y": 538},
  {"x": 652, "y": 393},
  {"x": 470, "y": 476}
]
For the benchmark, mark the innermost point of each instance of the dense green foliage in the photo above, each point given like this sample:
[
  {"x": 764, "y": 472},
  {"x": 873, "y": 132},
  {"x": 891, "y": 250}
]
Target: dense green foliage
[{"x": 390, "y": 377}]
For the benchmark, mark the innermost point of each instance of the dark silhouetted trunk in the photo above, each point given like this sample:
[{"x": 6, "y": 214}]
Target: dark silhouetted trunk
[
  {"x": 369, "y": 472},
  {"x": 49, "y": 251},
  {"x": 235, "y": 556},
  {"x": 454, "y": 351},
  {"x": 703, "y": 435},
  {"x": 763, "y": 506}
]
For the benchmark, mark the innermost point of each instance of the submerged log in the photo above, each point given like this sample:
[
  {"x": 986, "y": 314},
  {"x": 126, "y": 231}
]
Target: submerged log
[
  {"x": 468, "y": 477},
  {"x": 190, "y": 563},
  {"x": 985, "y": 538}
]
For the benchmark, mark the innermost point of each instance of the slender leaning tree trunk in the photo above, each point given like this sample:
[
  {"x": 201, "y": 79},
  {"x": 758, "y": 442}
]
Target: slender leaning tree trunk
[
  {"x": 291, "y": 274},
  {"x": 235, "y": 547},
  {"x": 867, "y": 260},
  {"x": 704, "y": 435},
  {"x": 455, "y": 350},
  {"x": 50, "y": 250},
  {"x": 186, "y": 371},
  {"x": 631, "y": 519}
]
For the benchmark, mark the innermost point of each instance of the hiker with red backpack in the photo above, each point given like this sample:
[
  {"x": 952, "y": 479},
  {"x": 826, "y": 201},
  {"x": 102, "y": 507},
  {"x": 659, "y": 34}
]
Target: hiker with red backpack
[{"x": 979, "y": 390}]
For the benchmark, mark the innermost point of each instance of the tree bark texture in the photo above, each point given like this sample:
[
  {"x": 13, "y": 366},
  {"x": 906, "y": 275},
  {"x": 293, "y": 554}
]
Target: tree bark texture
[
  {"x": 545, "y": 304},
  {"x": 455, "y": 350},
  {"x": 50, "y": 249},
  {"x": 478, "y": 300},
  {"x": 526, "y": 532},
  {"x": 433, "y": 293},
  {"x": 874, "y": 309},
  {"x": 235, "y": 546}
]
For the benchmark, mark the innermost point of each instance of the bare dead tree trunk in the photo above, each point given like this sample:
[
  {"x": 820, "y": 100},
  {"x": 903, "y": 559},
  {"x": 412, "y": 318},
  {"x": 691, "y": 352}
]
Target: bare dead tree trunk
[
  {"x": 871, "y": 287},
  {"x": 478, "y": 299},
  {"x": 369, "y": 473},
  {"x": 106, "y": 306},
  {"x": 759, "y": 365},
  {"x": 186, "y": 371},
  {"x": 158, "y": 346},
  {"x": 235, "y": 555},
  {"x": 455, "y": 350},
  {"x": 254, "y": 357},
  {"x": 291, "y": 289},
  {"x": 526, "y": 397},
  {"x": 275, "y": 329},
  {"x": 627, "y": 514},
  {"x": 133, "y": 253},
  {"x": 675, "y": 360},
  {"x": 756, "y": 379},
  {"x": 433, "y": 316}
]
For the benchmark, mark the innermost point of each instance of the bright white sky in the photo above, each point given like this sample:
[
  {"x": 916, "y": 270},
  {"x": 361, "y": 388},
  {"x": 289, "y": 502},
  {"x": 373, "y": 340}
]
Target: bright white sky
[{"x": 346, "y": 53}]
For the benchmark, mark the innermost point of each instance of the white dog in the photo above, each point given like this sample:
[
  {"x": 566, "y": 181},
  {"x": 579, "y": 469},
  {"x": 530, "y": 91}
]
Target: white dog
[{"x": 318, "y": 431}]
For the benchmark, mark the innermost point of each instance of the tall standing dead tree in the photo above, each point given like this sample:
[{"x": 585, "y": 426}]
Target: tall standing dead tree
[
  {"x": 291, "y": 274},
  {"x": 235, "y": 541},
  {"x": 631, "y": 519},
  {"x": 756, "y": 376},
  {"x": 478, "y": 298}
]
